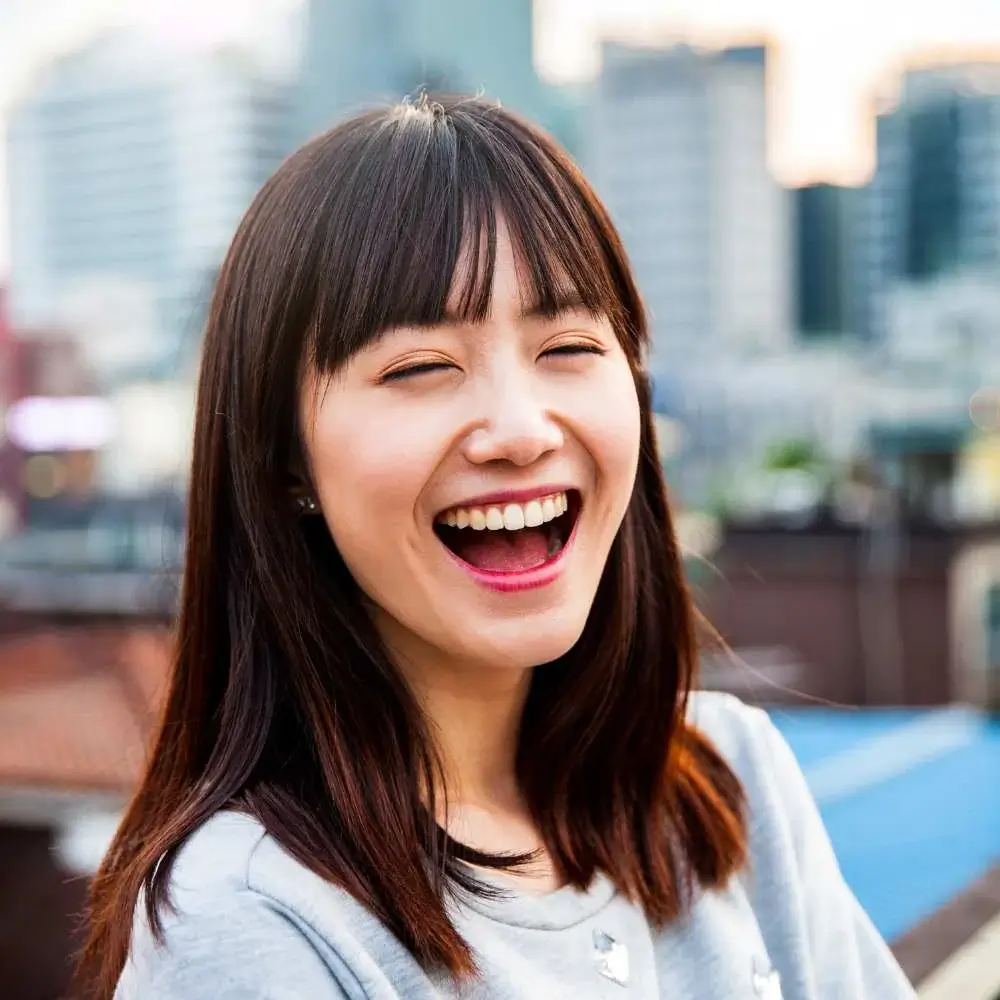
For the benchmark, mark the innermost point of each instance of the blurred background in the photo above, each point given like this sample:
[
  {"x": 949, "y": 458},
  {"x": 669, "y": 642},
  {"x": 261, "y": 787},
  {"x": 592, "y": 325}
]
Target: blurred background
[{"x": 810, "y": 196}]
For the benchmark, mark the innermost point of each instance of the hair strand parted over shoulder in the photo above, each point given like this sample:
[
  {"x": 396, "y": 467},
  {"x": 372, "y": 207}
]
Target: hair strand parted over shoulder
[{"x": 283, "y": 703}]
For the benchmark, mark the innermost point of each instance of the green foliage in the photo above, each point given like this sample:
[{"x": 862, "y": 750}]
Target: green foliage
[{"x": 794, "y": 454}]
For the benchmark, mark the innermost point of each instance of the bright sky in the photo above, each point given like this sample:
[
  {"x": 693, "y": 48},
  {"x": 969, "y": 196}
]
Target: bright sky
[{"x": 831, "y": 53}]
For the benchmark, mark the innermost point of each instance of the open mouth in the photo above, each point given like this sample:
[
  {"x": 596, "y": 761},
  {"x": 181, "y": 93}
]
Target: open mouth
[{"x": 510, "y": 537}]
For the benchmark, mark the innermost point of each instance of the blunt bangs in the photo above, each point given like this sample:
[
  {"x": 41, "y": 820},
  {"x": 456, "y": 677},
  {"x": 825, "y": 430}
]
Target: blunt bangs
[{"x": 409, "y": 234}]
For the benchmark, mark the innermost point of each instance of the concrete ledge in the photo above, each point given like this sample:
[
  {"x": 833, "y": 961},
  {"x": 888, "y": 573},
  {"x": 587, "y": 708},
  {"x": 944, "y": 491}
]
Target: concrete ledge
[
  {"x": 954, "y": 954},
  {"x": 27, "y": 806},
  {"x": 972, "y": 973}
]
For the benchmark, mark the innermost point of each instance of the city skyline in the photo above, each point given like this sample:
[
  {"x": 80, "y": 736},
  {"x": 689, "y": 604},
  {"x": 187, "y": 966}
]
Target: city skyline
[{"x": 819, "y": 99}]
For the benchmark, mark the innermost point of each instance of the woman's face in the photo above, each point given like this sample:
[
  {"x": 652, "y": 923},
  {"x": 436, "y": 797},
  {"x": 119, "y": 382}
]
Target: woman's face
[{"x": 474, "y": 476}]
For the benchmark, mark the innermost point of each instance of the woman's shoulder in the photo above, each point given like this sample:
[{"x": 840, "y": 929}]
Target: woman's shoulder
[
  {"x": 738, "y": 730},
  {"x": 230, "y": 866},
  {"x": 750, "y": 743},
  {"x": 814, "y": 928},
  {"x": 216, "y": 859},
  {"x": 243, "y": 912},
  {"x": 786, "y": 838},
  {"x": 209, "y": 900}
]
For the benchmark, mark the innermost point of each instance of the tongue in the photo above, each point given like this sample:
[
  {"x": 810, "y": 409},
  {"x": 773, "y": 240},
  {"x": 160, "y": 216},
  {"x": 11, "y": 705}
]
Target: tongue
[{"x": 503, "y": 551}]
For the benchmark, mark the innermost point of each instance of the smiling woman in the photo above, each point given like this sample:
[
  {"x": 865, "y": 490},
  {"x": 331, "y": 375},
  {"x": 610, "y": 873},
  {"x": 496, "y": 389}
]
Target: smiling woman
[{"x": 429, "y": 731}]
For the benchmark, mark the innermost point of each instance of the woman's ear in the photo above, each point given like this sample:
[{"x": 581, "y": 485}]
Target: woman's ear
[{"x": 301, "y": 493}]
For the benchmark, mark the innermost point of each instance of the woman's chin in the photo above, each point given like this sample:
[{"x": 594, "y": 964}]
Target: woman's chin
[{"x": 525, "y": 642}]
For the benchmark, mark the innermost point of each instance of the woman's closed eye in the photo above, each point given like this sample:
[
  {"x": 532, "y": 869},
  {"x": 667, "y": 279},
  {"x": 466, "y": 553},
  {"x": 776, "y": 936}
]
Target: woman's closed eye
[
  {"x": 411, "y": 371},
  {"x": 572, "y": 350}
]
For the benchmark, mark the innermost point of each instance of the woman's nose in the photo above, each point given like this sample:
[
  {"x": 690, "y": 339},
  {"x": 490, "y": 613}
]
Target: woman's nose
[{"x": 517, "y": 427}]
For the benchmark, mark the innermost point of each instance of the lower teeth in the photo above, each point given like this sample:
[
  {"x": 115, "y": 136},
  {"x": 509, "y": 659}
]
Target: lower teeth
[{"x": 555, "y": 545}]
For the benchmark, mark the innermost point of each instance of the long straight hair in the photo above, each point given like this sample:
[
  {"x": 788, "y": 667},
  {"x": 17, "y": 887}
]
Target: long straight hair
[{"x": 283, "y": 701}]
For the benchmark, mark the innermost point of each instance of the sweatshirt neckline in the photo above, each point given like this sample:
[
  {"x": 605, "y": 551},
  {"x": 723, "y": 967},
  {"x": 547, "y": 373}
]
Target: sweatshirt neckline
[{"x": 552, "y": 911}]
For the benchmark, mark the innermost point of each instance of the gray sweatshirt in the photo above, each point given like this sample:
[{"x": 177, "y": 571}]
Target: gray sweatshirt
[{"x": 251, "y": 922}]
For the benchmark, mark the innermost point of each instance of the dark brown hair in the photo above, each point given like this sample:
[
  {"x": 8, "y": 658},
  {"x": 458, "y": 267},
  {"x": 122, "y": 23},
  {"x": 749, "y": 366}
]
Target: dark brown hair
[{"x": 361, "y": 229}]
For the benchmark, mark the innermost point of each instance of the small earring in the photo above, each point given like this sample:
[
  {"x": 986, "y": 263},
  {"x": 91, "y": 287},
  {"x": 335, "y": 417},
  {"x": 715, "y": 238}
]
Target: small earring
[{"x": 306, "y": 505}]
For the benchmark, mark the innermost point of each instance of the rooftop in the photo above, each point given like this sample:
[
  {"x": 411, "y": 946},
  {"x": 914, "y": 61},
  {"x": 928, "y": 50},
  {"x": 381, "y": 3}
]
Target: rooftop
[{"x": 77, "y": 706}]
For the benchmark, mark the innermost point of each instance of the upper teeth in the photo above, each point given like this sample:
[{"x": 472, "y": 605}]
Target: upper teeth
[{"x": 511, "y": 516}]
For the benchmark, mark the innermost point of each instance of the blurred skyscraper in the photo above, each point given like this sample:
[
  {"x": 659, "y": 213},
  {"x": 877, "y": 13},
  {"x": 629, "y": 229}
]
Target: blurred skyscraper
[
  {"x": 827, "y": 260},
  {"x": 677, "y": 144},
  {"x": 130, "y": 165},
  {"x": 360, "y": 51},
  {"x": 934, "y": 202}
]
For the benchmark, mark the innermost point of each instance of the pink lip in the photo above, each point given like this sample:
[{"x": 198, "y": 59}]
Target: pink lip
[
  {"x": 531, "y": 579},
  {"x": 512, "y": 496}
]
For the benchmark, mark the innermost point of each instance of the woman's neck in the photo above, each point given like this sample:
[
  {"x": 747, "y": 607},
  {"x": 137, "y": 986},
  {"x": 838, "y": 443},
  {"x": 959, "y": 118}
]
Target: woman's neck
[
  {"x": 474, "y": 714},
  {"x": 476, "y": 728}
]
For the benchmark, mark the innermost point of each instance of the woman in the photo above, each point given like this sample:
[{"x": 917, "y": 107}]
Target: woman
[{"x": 428, "y": 732}]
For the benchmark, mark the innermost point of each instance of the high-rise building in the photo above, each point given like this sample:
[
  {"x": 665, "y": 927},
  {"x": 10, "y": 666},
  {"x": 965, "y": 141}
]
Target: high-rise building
[
  {"x": 130, "y": 164},
  {"x": 934, "y": 202},
  {"x": 676, "y": 144},
  {"x": 827, "y": 262},
  {"x": 361, "y": 51}
]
